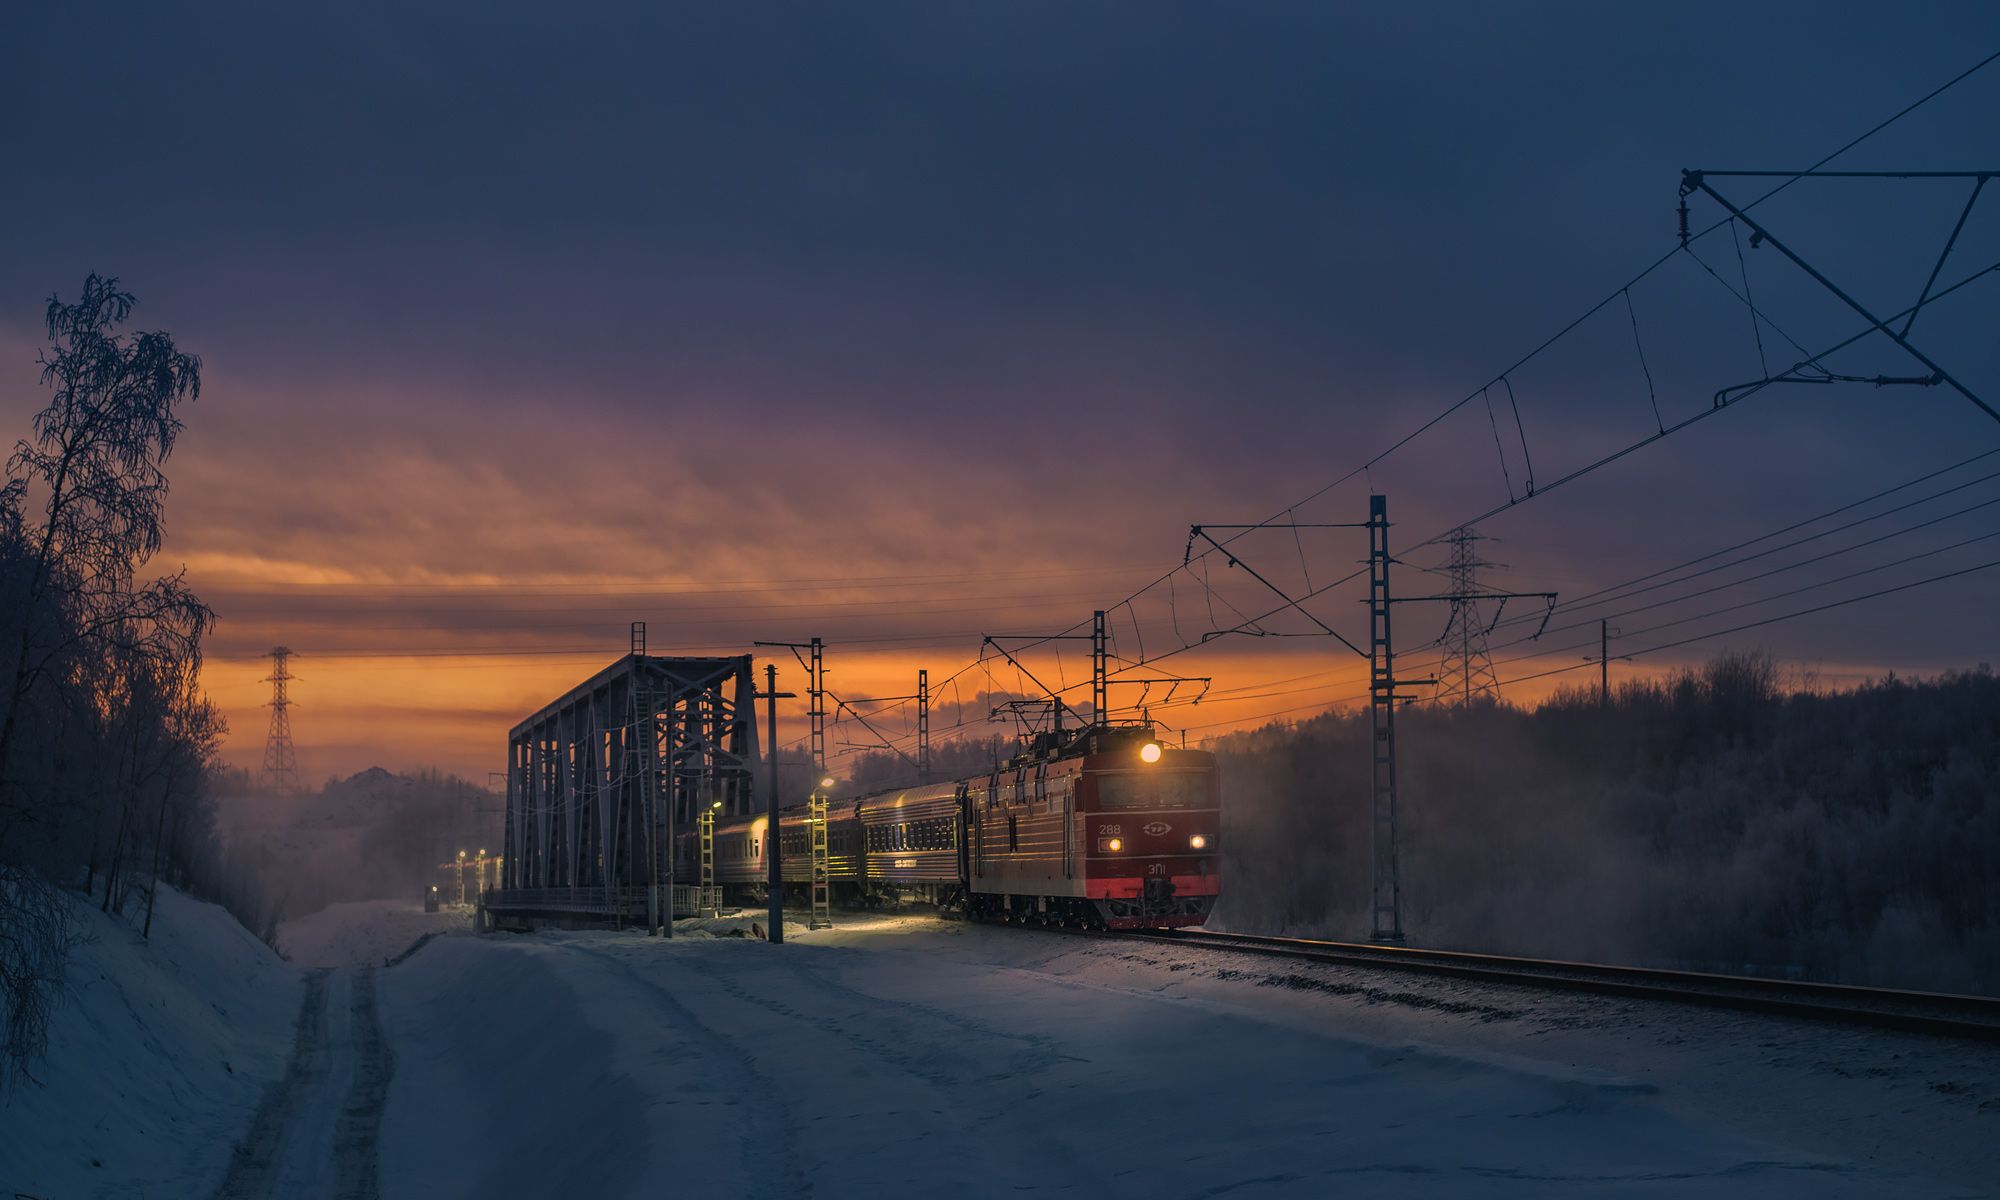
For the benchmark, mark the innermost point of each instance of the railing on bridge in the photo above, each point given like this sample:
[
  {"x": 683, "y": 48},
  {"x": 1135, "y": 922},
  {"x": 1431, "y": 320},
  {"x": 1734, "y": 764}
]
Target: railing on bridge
[{"x": 627, "y": 904}]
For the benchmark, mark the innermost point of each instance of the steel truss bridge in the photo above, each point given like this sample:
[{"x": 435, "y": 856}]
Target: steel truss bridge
[{"x": 599, "y": 781}]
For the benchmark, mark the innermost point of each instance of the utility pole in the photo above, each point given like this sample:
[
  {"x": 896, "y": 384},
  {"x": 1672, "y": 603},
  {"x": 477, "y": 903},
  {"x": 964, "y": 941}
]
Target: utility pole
[
  {"x": 1098, "y": 713},
  {"x": 923, "y": 725},
  {"x": 774, "y": 868},
  {"x": 816, "y": 724},
  {"x": 281, "y": 761},
  {"x": 1388, "y": 892},
  {"x": 1604, "y": 635},
  {"x": 815, "y": 665},
  {"x": 816, "y": 684},
  {"x": 646, "y": 736},
  {"x": 1387, "y": 897},
  {"x": 1604, "y": 664}
]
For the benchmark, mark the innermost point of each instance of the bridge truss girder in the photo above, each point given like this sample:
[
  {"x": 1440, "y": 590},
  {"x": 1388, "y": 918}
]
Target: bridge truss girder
[{"x": 583, "y": 788}]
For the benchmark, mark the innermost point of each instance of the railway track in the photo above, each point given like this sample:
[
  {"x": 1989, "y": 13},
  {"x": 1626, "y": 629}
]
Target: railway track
[{"x": 1943, "y": 1014}]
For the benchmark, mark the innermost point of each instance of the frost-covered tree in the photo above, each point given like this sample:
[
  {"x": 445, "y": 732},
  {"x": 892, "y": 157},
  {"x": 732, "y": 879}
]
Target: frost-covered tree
[{"x": 101, "y": 724}]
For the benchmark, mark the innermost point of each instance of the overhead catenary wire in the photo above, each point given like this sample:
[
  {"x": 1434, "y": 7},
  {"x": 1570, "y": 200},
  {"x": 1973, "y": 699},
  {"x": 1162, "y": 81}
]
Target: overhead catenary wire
[
  {"x": 1579, "y": 320},
  {"x": 1250, "y": 624},
  {"x": 1618, "y": 592}
]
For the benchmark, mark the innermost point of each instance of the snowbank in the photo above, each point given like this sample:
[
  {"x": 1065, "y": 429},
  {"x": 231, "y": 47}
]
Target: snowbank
[
  {"x": 735, "y": 925},
  {"x": 156, "y": 1062},
  {"x": 364, "y": 933}
]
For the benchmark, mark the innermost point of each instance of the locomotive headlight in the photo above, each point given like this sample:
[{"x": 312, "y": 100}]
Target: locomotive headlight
[
  {"x": 1197, "y": 842},
  {"x": 1111, "y": 845},
  {"x": 1150, "y": 752}
]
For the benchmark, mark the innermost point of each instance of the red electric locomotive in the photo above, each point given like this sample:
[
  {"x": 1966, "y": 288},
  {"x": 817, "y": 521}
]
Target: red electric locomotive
[{"x": 1102, "y": 828}]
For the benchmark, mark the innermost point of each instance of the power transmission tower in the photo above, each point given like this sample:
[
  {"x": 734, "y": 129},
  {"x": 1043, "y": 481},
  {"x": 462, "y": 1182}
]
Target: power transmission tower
[
  {"x": 281, "y": 762},
  {"x": 1466, "y": 669}
]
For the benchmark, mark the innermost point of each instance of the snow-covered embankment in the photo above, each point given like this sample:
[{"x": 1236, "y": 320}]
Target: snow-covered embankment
[{"x": 156, "y": 1061}]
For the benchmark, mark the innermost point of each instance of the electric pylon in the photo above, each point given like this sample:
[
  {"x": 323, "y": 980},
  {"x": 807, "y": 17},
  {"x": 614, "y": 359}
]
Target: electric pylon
[
  {"x": 281, "y": 763},
  {"x": 1466, "y": 670}
]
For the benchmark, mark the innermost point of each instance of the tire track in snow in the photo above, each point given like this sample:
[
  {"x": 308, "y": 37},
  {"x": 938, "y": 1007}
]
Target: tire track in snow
[
  {"x": 767, "y": 1172},
  {"x": 357, "y": 1174},
  {"x": 316, "y": 1131},
  {"x": 250, "y": 1173}
]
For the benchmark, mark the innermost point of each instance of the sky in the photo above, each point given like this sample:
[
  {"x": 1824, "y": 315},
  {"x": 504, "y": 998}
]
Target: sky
[{"x": 900, "y": 325}]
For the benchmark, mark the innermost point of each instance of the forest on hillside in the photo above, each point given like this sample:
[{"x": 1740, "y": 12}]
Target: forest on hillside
[{"x": 1712, "y": 819}]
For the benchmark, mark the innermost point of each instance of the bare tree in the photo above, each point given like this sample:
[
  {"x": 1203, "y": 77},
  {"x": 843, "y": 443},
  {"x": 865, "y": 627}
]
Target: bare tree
[
  {"x": 97, "y": 456},
  {"x": 96, "y": 665}
]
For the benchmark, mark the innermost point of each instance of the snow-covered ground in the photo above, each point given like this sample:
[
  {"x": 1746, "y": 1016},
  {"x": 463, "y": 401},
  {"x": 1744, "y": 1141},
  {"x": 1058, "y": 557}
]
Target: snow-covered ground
[
  {"x": 365, "y": 933},
  {"x": 912, "y": 1054},
  {"x": 899, "y": 1054},
  {"x": 163, "y": 1051}
]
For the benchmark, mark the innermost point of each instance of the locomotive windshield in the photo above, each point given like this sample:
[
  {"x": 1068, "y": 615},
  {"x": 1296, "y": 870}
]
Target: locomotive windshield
[{"x": 1151, "y": 789}]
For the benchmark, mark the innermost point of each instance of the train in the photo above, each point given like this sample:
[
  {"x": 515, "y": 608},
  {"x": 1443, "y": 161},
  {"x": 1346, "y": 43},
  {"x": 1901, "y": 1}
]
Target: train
[{"x": 1101, "y": 828}]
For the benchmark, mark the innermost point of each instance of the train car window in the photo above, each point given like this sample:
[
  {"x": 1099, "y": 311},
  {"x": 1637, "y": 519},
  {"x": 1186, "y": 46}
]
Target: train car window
[{"x": 1153, "y": 790}]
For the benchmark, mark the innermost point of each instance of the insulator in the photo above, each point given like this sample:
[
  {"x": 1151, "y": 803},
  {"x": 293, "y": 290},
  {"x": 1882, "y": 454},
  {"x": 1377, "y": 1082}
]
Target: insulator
[{"x": 1684, "y": 221}]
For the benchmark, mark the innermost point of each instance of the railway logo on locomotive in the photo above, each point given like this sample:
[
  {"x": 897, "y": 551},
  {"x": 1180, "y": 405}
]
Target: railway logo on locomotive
[{"x": 1156, "y": 828}]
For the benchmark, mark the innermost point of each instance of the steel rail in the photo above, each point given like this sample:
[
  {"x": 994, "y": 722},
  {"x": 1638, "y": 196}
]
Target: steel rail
[{"x": 1938, "y": 1013}]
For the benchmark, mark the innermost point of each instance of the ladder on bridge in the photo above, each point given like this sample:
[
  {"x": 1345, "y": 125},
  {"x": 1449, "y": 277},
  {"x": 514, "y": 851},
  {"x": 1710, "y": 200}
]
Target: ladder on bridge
[
  {"x": 711, "y": 897},
  {"x": 822, "y": 887}
]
